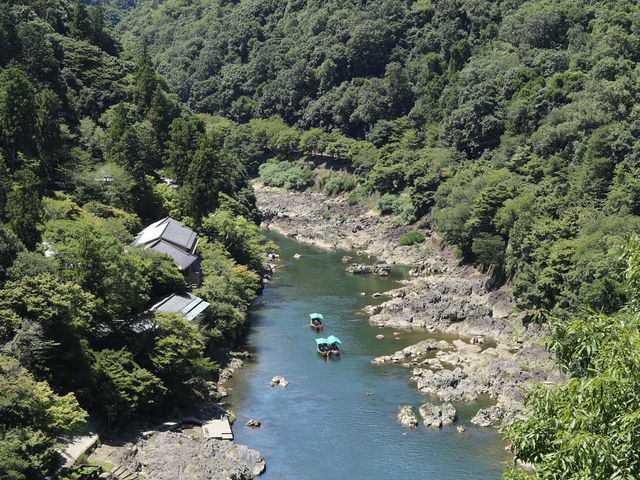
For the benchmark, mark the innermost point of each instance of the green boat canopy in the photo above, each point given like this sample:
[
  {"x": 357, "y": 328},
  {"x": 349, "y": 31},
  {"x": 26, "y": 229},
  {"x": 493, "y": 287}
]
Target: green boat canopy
[
  {"x": 316, "y": 315},
  {"x": 322, "y": 341},
  {"x": 333, "y": 339}
]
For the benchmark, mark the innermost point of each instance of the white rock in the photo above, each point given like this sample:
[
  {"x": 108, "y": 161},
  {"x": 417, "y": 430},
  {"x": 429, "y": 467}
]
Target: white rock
[{"x": 279, "y": 380}]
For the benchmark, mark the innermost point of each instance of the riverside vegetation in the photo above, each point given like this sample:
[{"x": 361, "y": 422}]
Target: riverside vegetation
[
  {"x": 86, "y": 133},
  {"x": 510, "y": 127}
]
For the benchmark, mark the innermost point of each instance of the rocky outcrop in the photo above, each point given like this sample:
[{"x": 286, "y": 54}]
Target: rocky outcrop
[
  {"x": 171, "y": 455},
  {"x": 488, "y": 417},
  {"x": 412, "y": 353},
  {"x": 438, "y": 416},
  {"x": 450, "y": 386},
  {"x": 407, "y": 417},
  {"x": 279, "y": 380},
  {"x": 381, "y": 269}
]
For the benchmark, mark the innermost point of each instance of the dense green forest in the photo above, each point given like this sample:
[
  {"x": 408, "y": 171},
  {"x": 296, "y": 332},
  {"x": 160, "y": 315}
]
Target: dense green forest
[
  {"x": 87, "y": 131},
  {"x": 509, "y": 127}
]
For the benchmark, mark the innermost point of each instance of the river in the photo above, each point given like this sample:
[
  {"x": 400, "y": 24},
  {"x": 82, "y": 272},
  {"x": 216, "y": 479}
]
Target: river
[{"x": 337, "y": 418}]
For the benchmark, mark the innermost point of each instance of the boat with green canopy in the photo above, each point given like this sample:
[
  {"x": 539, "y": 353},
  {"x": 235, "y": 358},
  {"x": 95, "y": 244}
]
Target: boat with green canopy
[
  {"x": 316, "y": 320},
  {"x": 333, "y": 344},
  {"x": 323, "y": 346}
]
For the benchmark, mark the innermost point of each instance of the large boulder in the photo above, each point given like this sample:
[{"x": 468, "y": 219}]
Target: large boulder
[
  {"x": 279, "y": 380},
  {"x": 488, "y": 417},
  {"x": 450, "y": 386},
  {"x": 438, "y": 416},
  {"x": 381, "y": 269},
  {"x": 407, "y": 417}
]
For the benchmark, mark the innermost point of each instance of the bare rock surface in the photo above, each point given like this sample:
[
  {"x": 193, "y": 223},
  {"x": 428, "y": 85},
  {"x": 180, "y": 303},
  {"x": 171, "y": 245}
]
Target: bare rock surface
[
  {"x": 171, "y": 455},
  {"x": 381, "y": 269},
  {"x": 412, "y": 352},
  {"x": 279, "y": 380},
  {"x": 407, "y": 416},
  {"x": 438, "y": 416}
]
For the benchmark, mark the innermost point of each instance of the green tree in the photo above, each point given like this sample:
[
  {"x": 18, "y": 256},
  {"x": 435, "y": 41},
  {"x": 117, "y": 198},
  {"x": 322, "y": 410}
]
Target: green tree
[
  {"x": 178, "y": 356},
  {"x": 184, "y": 137},
  {"x": 203, "y": 180},
  {"x": 48, "y": 137},
  {"x": 32, "y": 419},
  {"x": 80, "y": 26},
  {"x": 23, "y": 209},
  {"x": 17, "y": 113},
  {"x": 66, "y": 317},
  {"x": 587, "y": 427},
  {"x": 123, "y": 387},
  {"x": 10, "y": 247},
  {"x": 145, "y": 83}
]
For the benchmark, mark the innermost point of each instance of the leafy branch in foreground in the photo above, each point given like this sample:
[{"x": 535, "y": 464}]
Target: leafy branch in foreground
[{"x": 588, "y": 427}]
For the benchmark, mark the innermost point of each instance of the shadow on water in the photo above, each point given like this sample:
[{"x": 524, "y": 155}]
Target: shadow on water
[{"x": 337, "y": 417}]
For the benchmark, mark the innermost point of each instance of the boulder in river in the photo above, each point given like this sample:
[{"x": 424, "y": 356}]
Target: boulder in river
[
  {"x": 279, "y": 380},
  {"x": 381, "y": 269},
  {"x": 407, "y": 416},
  {"x": 254, "y": 423},
  {"x": 434, "y": 416},
  {"x": 488, "y": 417}
]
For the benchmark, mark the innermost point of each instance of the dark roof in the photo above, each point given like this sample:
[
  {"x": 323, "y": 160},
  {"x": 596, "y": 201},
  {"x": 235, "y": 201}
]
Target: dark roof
[
  {"x": 186, "y": 304},
  {"x": 183, "y": 259},
  {"x": 171, "y": 231}
]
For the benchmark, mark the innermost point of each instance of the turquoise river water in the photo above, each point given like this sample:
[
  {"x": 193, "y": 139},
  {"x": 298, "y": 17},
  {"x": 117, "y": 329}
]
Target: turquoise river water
[{"x": 337, "y": 418}]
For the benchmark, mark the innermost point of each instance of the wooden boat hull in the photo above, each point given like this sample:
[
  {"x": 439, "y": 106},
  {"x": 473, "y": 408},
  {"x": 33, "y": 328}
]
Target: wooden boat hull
[{"x": 324, "y": 353}]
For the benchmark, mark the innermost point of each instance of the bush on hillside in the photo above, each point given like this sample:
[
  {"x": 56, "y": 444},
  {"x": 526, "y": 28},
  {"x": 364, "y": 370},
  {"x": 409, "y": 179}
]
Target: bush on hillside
[{"x": 411, "y": 238}]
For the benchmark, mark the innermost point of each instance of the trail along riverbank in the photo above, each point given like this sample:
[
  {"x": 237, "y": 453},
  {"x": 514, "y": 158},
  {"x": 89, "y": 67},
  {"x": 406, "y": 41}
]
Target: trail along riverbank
[{"x": 499, "y": 352}]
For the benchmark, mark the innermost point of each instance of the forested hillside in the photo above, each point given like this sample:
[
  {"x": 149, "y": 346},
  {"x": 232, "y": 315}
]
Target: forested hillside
[
  {"x": 511, "y": 125},
  {"x": 87, "y": 132}
]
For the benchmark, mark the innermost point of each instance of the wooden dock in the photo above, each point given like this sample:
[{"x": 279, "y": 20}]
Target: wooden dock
[{"x": 219, "y": 428}]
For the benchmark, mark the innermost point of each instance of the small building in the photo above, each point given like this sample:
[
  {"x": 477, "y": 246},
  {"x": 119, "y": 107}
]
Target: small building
[
  {"x": 173, "y": 238},
  {"x": 185, "y": 304},
  {"x": 170, "y": 231}
]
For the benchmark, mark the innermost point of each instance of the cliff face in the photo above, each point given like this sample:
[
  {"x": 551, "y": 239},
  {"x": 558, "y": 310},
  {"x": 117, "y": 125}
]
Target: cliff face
[{"x": 498, "y": 350}]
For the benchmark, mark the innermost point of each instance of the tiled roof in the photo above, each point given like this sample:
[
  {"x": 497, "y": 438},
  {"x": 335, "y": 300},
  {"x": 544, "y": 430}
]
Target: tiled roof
[
  {"x": 185, "y": 304},
  {"x": 171, "y": 231},
  {"x": 183, "y": 259}
]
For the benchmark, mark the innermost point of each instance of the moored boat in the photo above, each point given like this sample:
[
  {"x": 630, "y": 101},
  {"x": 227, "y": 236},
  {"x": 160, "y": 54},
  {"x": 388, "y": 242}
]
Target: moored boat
[
  {"x": 323, "y": 347},
  {"x": 333, "y": 342},
  {"x": 316, "y": 320}
]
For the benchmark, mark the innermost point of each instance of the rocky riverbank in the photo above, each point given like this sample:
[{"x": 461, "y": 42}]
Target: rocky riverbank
[
  {"x": 499, "y": 352},
  {"x": 178, "y": 449}
]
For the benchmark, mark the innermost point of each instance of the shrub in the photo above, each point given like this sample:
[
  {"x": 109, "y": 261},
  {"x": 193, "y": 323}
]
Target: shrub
[
  {"x": 385, "y": 203},
  {"x": 334, "y": 184},
  {"x": 289, "y": 175},
  {"x": 411, "y": 238},
  {"x": 395, "y": 204}
]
